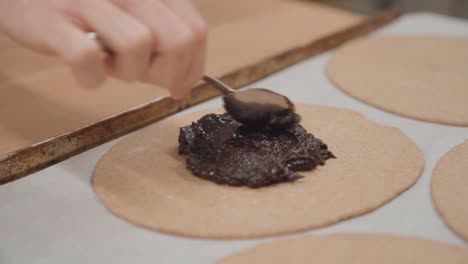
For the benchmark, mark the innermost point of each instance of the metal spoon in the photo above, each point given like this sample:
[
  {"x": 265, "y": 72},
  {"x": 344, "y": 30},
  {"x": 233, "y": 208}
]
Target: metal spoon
[{"x": 256, "y": 107}]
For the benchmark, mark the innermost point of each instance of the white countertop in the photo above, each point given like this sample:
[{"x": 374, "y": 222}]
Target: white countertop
[{"x": 54, "y": 215}]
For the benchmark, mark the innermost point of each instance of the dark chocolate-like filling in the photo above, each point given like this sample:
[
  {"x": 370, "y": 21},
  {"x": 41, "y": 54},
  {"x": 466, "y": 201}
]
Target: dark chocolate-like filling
[{"x": 221, "y": 150}]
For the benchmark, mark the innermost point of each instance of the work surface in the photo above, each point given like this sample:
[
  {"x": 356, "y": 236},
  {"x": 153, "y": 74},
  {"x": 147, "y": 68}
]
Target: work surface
[{"x": 54, "y": 215}]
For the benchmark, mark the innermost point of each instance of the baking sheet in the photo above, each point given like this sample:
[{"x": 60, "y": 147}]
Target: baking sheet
[
  {"x": 48, "y": 118},
  {"x": 55, "y": 217},
  {"x": 44, "y": 100}
]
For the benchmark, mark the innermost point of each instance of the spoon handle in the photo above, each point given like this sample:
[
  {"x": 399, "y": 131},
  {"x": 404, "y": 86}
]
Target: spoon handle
[{"x": 218, "y": 84}]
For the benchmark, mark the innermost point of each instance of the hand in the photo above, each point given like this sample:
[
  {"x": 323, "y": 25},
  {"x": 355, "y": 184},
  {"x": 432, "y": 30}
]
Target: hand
[{"x": 156, "y": 41}]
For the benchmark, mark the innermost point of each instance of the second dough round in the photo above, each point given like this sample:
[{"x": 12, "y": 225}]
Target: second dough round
[
  {"x": 351, "y": 249},
  {"x": 421, "y": 77},
  {"x": 450, "y": 188}
]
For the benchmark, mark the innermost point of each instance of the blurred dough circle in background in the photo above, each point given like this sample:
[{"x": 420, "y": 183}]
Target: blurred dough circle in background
[
  {"x": 450, "y": 188},
  {"x": 351, "y": 249},
  {"x": 421, "y": 77}
]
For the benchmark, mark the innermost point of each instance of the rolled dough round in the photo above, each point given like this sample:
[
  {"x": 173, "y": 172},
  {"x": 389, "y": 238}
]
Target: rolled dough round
[
  {"x": 351, "y": 249},
  {"x": 145, "y": 181},
  {"x": 450, "y": 189},
  {"x": 421, "y": 77}
]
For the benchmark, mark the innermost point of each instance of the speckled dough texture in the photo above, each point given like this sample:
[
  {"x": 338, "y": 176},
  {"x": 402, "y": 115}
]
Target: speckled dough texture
[
  {"x": 145, "y": 181},
  {"x": 351, "y": 249},
  {"x": 421, "y": 77},
  {"x": 450, "y": 189}
]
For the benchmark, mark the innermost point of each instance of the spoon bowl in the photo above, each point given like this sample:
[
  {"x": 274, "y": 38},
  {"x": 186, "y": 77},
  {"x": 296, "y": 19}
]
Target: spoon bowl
[{"x": 257, "y": 107}]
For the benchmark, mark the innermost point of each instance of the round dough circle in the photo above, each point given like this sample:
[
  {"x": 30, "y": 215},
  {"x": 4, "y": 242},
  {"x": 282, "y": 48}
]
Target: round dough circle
[
  {"x": 145, "y": 181},
  {"x": 421, "y": 77},
  {"x": 450, "y": 188},
  {"x": 352, "y": 249}
]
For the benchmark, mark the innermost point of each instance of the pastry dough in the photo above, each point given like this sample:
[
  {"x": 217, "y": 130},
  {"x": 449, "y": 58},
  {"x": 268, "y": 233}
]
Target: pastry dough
[
  {"x": 421, "y": 77},
  {"x": 351, "y": 249},
  {"x": 450, "y": 188},
  {"x": 145, "y": 181}
]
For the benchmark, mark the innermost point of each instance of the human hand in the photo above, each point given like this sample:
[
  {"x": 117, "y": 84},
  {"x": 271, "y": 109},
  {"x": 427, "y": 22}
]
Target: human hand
[{"x": 155, "y": 41}]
